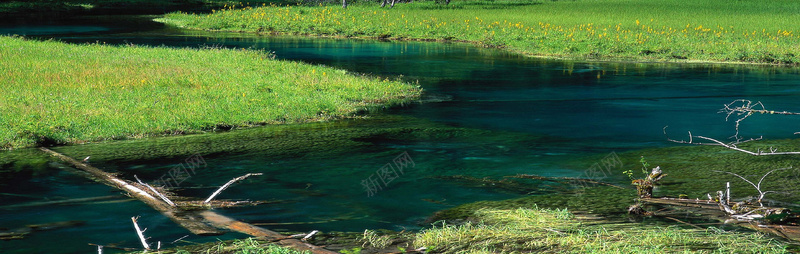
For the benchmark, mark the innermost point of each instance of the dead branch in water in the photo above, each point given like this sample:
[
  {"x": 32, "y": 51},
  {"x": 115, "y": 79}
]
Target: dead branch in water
[
  {"x": 744, "y": 109},
  {"x": 228, "y": 184},
  {"x": 761, "y": 193},
  {"x": 155, "y": 191},
  {"x": 186, "y": 220},
  {"x": 731, "y": 145},
  {"x": 140, "y": 233},
  {"x": 193, "y": 221}
]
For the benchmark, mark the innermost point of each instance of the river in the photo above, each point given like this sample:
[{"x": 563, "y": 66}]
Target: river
[{"x": 485, "y": 113}]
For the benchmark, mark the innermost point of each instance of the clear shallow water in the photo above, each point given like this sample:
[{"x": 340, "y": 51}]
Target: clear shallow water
[{"x": 540, "y": 114}]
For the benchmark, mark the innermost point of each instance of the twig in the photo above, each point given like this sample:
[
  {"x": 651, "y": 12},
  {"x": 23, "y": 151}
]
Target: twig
[
  {"x": 140, "y": 233},
  {"x": 757, "y": 186},
  {"x": 155, "y": 191},
  {"x": 724, "y": 205},
  {"x": 176, "y": 240},
  {"x": 747, "y": 109},
  {"x": 732, "y": 145},
  {"x": 229, "y": 184}
]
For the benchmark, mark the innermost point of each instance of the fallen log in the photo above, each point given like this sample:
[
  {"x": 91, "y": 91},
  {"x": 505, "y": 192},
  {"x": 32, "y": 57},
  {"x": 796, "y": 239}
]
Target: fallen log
[
  {"x": 711, "y": 209},
  {"x": 193, "y": 221},
  {"x": 238, "y": 226},
  {"x": 186, "y": 220}
]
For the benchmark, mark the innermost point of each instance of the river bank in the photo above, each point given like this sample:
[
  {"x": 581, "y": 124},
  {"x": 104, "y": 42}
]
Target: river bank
[
  {"x": 69, "y": 94},
  {"x": 674, "y": 31}
]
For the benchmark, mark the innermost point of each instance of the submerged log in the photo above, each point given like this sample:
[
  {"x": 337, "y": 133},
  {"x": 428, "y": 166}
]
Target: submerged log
[
  {"x": 191, "y": 220},
  {"x": 246, "y": 228},
  {"x": 186, "y": 220},
  {"x": 711, "y": 209}
]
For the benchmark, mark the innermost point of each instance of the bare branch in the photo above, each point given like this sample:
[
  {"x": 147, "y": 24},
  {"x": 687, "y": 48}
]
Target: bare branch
[
  {"x": 757, "y": 186},
  {"x": 140, "y": 232},
  {"x": 732, "y": 145},
  {"x": 155, "y": 191},
  {"x": 746, "y": 108},
  {"x": 229, "y": 184}
]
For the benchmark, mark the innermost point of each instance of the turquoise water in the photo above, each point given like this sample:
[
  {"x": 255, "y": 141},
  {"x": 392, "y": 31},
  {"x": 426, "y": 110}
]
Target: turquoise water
[{"x": 520, "y": 115}]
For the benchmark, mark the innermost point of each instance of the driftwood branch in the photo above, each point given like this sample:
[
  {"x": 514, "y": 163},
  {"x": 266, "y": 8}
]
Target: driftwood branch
[
  {"x": 228, "y": 184},
  {"x": 758, "y": 185},
  {"x": 140, "y": 233},
  {"x": 184, "y": 219},
  {"x": 732, "y": 145},
  {"x": 744, "y": 109},
  {"x": 155, "y": 191},
  {"x": 195, "y": 224}
]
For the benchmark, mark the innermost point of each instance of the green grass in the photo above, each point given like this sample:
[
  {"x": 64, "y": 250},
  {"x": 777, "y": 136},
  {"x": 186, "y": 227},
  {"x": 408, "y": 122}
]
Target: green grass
[
  {"x": 673, "y": 30},
  {"x": 49, "y": 8},
  {"x": 57, "y": 93},
  {"x": 558, "y": 231},
  {"x": 239, "y": 246}
]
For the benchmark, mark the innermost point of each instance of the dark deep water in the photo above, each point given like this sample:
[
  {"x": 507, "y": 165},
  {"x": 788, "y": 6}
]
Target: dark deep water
[{"x": 581, "y": 109}]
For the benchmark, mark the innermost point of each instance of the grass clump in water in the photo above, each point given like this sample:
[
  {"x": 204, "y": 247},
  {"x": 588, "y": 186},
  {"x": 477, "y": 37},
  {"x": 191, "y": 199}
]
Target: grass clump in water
[
  {"x": 59, "y": 93},
  {"x": 740, "y": 31},
  {"x": 558, "y": 231}
]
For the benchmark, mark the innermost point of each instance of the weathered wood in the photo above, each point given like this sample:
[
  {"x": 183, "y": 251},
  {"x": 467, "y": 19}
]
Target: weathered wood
[
  {"x": 228, "y": 184},
  {"x": 238, "y": 226},
  {"x": 193, "y": 221},
  {"x": 185, "y": 219},
  {"x": 711, "y": 209}
]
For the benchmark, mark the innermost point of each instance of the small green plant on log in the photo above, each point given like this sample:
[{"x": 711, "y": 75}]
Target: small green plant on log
[{"x": 644, "y": 187}]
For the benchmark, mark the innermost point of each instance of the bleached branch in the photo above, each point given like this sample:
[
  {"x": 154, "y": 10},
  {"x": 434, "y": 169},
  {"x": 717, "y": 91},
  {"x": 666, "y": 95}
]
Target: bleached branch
[
  {"x": 140, "y": 232},
  {"x": 757, "y": 186},
  {"x": 155, "y": 191},
  {"x": 229, "y": 184}
]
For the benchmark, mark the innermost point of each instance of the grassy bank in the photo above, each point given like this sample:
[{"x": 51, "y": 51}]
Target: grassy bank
[
  {"x": 676, "y": 30},
  {"x": 524, "y": 230},
  {"x": 558, "y": 231},
  {"x": 49, "y": 9},
  {"x": 58, "y": 93}
]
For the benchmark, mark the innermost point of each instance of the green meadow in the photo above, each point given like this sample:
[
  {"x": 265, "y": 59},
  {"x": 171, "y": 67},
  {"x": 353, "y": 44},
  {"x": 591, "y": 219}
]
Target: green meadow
[
  {"x": 58, "y": 93},
  {"x": 670, "y": 30}
]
